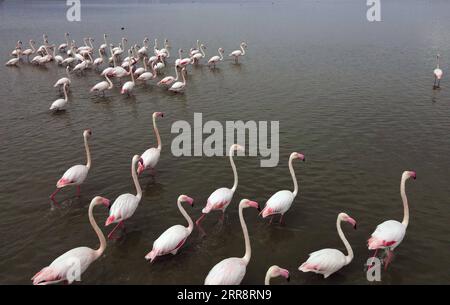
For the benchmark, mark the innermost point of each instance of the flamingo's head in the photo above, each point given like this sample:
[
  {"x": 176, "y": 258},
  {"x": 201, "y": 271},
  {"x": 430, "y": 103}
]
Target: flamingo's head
[
  {"x": 102, "y": 200},
  {"x": 346, "y": 218},
  {"x": 88, "y": 132},
  {"x": 141, "y": 166},
  {"x": 409, "y": 174},
  {"x": 158, "y": 114},
  {"x": 246, "y": 203},
  {"x": 185, "y": 198},
  {"x": 221, "y": 50},
  {"x": 297, "y": 155},
  {"x": 276, "y": 271},
  {"x": 236, "y": 147}
]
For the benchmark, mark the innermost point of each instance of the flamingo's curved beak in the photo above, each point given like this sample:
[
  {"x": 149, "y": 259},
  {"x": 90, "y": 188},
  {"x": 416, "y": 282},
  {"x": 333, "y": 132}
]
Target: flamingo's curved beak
[{"x": 352, "y": 222}]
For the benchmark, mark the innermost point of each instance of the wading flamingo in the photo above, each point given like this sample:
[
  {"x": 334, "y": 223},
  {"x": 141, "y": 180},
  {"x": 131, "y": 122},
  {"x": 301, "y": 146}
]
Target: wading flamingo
[
  {"x": 146, "y": 75},
  {"x": 60, "y": 104},
  {"x": 231, "y": 271},
  {"x": 194, "y": 51},
  {"x": 238, "y": 53},
  {"x": 63, "y": 80},
  {"x": 150, "y": 157},
  {"x": 437, "y": 74},
  {"x": 281, "y": 201},
  {"x": 61, "y": 268},
  {"x": 62, "y": 47},
  {"x": 276, "y": 271},
  {"x": 328, "y": 261},
  {"x": 129, "y": 85},
  {"x": 197, "y": 56},
  {"x": 174, "y": 237},
  {"x": 390, "y": 233},
  {"x": 221, "y": 198},
  {"x": 12, "y": 62},
  {"x": 102, "y": 86},
  {"x": 179, "y": 86},
  {"x": 77, "y": 173},
  {"x": 215, "y": 59},
  {"x": 30, "y": 51},
  {"x": 168, "y": 80},
  {"x": 126, "y": 204}
]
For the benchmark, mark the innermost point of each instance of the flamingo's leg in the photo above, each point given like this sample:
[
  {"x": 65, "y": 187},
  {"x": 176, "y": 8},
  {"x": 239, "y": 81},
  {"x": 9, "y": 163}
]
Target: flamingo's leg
[
  {"x": 439, "y": 83},
  {"x": 281, "y": 219},
  {"x": 78, "y": 190},
  {"x": 271, "y": 218},
  {"x": 388, "y": 259},
  {"x": 434, "y": 85},
  {"x": 115, "y": 228},
  {"x": 198, "y": 223},
  {"x": 52, "y": 196},
  {"x": 222, "y": 217}
]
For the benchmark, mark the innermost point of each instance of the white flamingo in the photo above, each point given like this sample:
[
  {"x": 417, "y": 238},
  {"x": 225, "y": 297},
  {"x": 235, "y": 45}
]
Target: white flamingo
[
  {"x": 231, "y": 271},
  {"x": 102, "y": 86},
  {"x": 215, "y": 59},
  {"x": 168, "y": 80},
  {"x": 62, "y": 47},
  {"x": 150, "y": 157},
  {"x": 129, "y": 85},
  {"x": 179, "y": 86},
  {"x": 174, "y": 237},
  {"x": 237, "y": 53},
  {"x": 437, "y": 74},
  {"x": 63, "y": 80},
  {"x": 275, "y": 271},
  {"x": 197, "y": 56},
  {"x": 60, "y": 104}
]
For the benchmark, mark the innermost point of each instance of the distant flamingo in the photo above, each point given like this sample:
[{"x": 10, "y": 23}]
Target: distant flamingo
[
  {"x": 29, "y": 51},
  {"x": 12, "y": 62},
  {"x": 193, "y": 51},
  {"x": 62, "y": 47},
  {"x": 63, "y": 80},
  {"x": 275, "y": 271},
  {"x": 150, "y": 157},
  {"x": 168, "y": 80},
  {"x": 60, "y": 104},
  {"x": 238, "y": 53},
  {"x": 437, "y": 74},
  {"x": 231, "y": 271},
  {"x": 328, "y": 261},
  {"x": 77, "y": 173},
  {"x": 126, "y": 204},
  {"x": 221, "y": 198},
  {"x": 102, "y": 86},
  {"x": 197, "y": 56},
  {"x": 146, "y": 75},
  {"x": 129, "y": 85},
  {"x": 179, "y": 86},
  {"x": 281, "y": 201},
  {"x": 215, "y": 59},
  {"x": 174, "y": 237},
  {"x": 390, "y": 233},
  {"x": 60, "y": 269}
]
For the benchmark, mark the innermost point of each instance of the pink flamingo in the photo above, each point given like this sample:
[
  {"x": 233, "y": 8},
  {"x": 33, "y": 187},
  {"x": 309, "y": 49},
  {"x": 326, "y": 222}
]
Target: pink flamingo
[
  {"x": 221, "y": 198},
  {"x": 275, "y": 271},
  {"x": 231, "y": 271},
  {"x": 281, "y": 201},
  {"x": 103, "y": 85},
  {"x": 437, "y": 74},
  {"x": 150, "y": 157},
  {"x": 328, "y": 261},
  {"x": 77, "y": 173},
  {"x": 215, "y": 59},
  {"x": 174, "y": 237},
  {"x": 237, "y": 53},
  {"x": 126, "y": 204},
  {"x": 168, "y": 80},
  {"x": 178, "y": 87},
  {"x": 60, "y": 269},
  {"x": 129, "y": 85},
  {"x": 390, "y": 233}
]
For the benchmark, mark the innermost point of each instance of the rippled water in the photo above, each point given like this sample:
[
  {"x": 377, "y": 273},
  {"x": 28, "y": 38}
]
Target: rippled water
[{"x": 355, "y": 97}]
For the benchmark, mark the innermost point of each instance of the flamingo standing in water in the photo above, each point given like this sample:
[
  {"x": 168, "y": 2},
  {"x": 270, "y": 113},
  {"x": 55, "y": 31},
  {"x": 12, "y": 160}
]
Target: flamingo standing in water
[
  {"x": 179, "y": 86},
  {"x": 126, "y": 204},
  {"x": 174, "y": 237},
  {"x": 150, "y": 157},
  {"x": 129, "y": 85},
  {"x": 281, "y": 201},
  {"x": 77, "y": 173},
  {"x": 63, "y": 80},
  {"x": 437, "y": 74},
  {"x": 231, "y": 271},
  {"x": 197, "y": 56},
  {"x": 215, "y": 59},
  {"x": 102, "y": 86},
  {"x": 60, "y": 104},
  {"x": 221, "y": 198},
  {"x": 275, "y": 271},
  {"x": 62, "y": 267},
  {"x": 238, "y": 53},
  {"x": 146, "y": 75},
  {"x": 328, "y": 261},
  {"x": 29, "y": 51},
  {"x": 390, "y": 233},
  {"x": 168, "y": 80},
  {"x": 12, "y": 62}
]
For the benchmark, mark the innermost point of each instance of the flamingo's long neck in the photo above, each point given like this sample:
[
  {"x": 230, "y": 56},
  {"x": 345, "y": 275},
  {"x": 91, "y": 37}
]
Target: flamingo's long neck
[
  {"x": 268, "y": 277},
  {"x": 88, "y": 152},
  {"x": 179, "y": 53},
  {"x": 405, "y": 221},
  {"x": 221, "y": 55},
  {"x": 32, "y": 47},
  {"x": 67, "y": 72},
  {"x": 65, "y": 92},
  {"x": 243, "y": 50},
  {"x": 248, "y": 249},
  {"x": 203, "y": 51},
  {"x": 233, "y": 166},
  {"x": 158, "y": 138},
  {"x": 145, "y": 63},
  {"x": 294, "y": 178},
  {"x": 184, "y": 78},
  {"x": 67, "y": 39},
  {"x": 136, "y": 181},
  {"x": 131, "y": 71},
  {"x": 176, "y": 72},
  {"x": 109, "y": 82},
  {"x": 190, "y": 226},
  {"x": 97, "y": 230},
  {"x": 437, "y": 65},
  {"x": 349, "y": 257}
]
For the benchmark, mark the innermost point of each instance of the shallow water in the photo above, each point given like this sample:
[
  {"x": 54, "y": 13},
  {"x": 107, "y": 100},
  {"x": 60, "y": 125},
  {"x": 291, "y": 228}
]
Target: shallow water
[{"x": 355, "y": 97}]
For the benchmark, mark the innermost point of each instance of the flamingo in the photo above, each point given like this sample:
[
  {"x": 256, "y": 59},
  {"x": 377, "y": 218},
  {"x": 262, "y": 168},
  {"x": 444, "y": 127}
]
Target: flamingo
[
  {"x": 18, "y": 50},
  {"x": 102, "y": 86},
  {"x": 105, "y": 44},
  {"x": 328, "y": 261},
  {"x": 177, "y": 61},
  {"x": 147, "y": 75},
  {"x": 30, "y": 51},
  {"x": 62, "y": 267},
  {"x": 215, "y": 59},
  {"x": 231, "y": 271},
  {"x": 196, "y": 57},
  {"x": 60, "y": 103},
  {"x": 275, "y": 271},
  {"x": 168, "y": 80},
  {"x": 63, "y": 80},
  {"x": 238, "y": 53},
  {"x": 221, "y": 198},
  {"x": 62, "y": 47},
  {"x": 12, "y": 62},
  {"x": 81, "y": 66},
  {"x": 144, "y": 50},
  {"x": 150, "y": 157},
  {"x": 99, "y": 60},
  {"x": 193, "y": 51},
  {"x": 129, "y": 85},
  {"x": 437, "y": 74},
  {"x": 281, "y": 201},
  {"x": 77, "y": 173},
  {"x": 126, "y": 204},
  {"x": 390, "y": 233},
  {"x": 174, "y": 237},
  {"x": 179, "y": 86}
]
